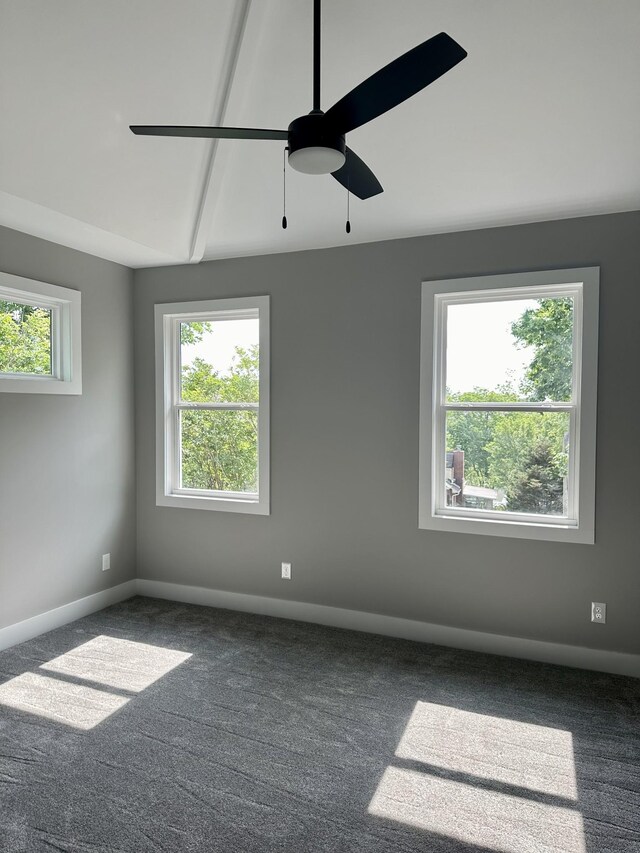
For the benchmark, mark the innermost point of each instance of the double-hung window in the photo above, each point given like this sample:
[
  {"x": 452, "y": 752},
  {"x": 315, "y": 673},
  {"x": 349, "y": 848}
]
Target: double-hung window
[
  {"x": 39, "y": 337},
  {"x": 212, "y": 399},
  {"x": 508, "y": 405}
]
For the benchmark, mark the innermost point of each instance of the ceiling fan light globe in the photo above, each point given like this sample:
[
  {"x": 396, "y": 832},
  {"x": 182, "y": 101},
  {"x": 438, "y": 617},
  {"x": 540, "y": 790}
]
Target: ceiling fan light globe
[{"x": 316, "y": 160}]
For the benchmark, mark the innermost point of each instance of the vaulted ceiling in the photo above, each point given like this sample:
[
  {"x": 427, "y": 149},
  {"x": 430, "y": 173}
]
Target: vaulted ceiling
[{"x": 541, "y": 121}]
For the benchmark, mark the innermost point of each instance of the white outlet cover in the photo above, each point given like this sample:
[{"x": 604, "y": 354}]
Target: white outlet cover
[
  {"x": 598, "y": 612},
  {"x": 106, "y": 562},
  {"x": 286, "y": 571}
]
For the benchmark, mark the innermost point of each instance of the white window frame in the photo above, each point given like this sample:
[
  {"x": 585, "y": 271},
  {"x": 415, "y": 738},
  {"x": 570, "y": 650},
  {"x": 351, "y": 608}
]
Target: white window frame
[
  {"x": 168, "y": 318},
  {"x": 66, "y": 347},
  {"x": 579, "y": 525}
]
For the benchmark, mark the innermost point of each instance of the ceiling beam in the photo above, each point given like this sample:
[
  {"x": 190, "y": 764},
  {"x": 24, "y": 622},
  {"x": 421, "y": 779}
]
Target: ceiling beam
[
  {"x": 20, "y": 214},
  {"x": 208, "y": 196}
]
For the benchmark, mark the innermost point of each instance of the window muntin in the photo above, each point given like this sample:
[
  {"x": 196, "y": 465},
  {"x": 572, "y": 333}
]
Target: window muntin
[
  {"x": 215, "y": 405},
  {"x": 507, "y": 428},
  {"x": 39, "y": 337}
]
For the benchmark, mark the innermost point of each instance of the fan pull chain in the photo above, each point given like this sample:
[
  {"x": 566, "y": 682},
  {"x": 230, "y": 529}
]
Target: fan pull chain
[
  {"x": 284, "y": 187},
  {"x": 348, "y": 228}
]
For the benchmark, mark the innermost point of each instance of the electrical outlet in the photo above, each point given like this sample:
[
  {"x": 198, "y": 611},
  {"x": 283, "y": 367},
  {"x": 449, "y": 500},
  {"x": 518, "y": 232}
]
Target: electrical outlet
[
  {"x": 286, "y": 571},
  {"x": 106, "y": 562},
  {"x": 598, "y": 612}
]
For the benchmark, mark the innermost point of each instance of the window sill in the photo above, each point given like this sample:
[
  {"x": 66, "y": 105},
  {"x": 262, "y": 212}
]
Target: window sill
[
  {"x": 250, "y": 506},
  {"x": 544, "y": 532},
  {"x": 32, "y": 384}
]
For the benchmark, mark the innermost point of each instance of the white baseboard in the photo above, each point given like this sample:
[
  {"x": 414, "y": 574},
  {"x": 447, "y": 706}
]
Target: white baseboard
[
  {"x": 618, "y": 663},
  {"x": 43, "y": 622}
]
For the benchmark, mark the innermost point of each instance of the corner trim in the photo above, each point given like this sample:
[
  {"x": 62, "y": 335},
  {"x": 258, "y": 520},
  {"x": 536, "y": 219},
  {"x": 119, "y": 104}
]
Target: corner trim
[
  {"x": 618, "y": 663},
  {"x": 50, "y": 619}
]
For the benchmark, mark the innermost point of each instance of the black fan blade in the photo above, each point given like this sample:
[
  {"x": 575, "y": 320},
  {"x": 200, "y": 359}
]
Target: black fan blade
[
  {"x": 396, "y": 82},
  {"x": 208, "y": 132},
  {"x": 357, "y": 177}
]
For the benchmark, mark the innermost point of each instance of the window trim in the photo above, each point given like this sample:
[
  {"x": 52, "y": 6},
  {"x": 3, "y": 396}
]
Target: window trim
[
  {"x": 66, "y": 343},
  {"x": 435, "y": 296},
  {"x": 168, "y": 317}
]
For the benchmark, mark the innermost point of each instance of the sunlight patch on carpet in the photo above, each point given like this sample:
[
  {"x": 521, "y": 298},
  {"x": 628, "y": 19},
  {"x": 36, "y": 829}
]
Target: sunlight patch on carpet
[
  {"x": 503, "y": 784},
  {"x": 117, "y": 663},
  {"x": 497, "y": 821},
  {"x": 78, "y": 688},
  {"x": 521, "y": 754},
  {"x": 72, "y": 704}
]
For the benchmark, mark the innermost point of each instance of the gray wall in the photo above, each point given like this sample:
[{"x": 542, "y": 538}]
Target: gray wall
[
  {"x": 67, "y": 463},
  {"x": 345, "y": 383}
]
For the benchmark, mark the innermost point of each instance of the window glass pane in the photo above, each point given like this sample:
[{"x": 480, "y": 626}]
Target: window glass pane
[
  {"x": 220, "y": 361},
  {"x": 510, "y": 350},
  {"x": 508, "y": 461},
  {"x": 219, "y": 450},
  {"x": 25, "y": 339}
]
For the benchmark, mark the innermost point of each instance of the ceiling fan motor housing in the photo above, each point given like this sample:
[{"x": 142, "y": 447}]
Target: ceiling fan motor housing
[{"x": 314, "y": 146}]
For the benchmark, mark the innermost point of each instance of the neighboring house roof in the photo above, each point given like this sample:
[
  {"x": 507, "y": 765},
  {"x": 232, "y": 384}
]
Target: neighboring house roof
[
  {"x": 480, "y": 492},
  {"x": 453, "y": 487}
]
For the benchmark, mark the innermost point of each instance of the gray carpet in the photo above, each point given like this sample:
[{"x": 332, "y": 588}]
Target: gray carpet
[{"x": 153, "y": 726}]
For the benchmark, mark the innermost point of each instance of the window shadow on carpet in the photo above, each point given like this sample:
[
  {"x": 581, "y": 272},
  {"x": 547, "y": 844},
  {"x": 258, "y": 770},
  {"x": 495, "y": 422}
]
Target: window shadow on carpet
[{"x": 86, "y": 685}]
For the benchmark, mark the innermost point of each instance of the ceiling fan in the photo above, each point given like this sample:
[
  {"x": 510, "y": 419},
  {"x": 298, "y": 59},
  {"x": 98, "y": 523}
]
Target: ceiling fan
[{"x": 316, "y": 142}]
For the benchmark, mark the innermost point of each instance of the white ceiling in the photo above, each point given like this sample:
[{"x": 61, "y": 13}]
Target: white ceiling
[{"x": 542, "y": 120}]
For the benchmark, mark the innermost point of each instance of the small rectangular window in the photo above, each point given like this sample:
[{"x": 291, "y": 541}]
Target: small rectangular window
[
  {"x": 39, "y": 337},
  {"x": 508, "y": 405},
  {"x": 213, "y": 404}
]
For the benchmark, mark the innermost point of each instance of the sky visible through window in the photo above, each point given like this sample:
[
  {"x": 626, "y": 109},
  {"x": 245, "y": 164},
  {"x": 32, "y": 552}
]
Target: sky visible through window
[
  {"x": 218, "y": 346},
  {"x": 481, "y": 351}
]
